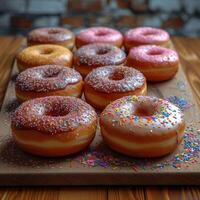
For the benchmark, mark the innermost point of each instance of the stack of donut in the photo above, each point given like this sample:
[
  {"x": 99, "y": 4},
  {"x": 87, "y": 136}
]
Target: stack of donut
[{"x": 53, "y": 120}]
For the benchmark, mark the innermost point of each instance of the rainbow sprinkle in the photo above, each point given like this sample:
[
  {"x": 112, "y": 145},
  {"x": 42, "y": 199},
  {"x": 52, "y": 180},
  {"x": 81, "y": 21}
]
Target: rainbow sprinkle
[
  {"x": 180, "y": 102},
  {"x": 181, "y": 86},
  {"x": 102, "y": 156}
]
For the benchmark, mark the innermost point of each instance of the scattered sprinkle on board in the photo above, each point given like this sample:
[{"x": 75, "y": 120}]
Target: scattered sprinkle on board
[{"x": 98, "y": 165}]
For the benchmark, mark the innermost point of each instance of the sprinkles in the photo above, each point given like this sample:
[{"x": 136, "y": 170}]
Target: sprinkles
[
  {"x": 181, "y": 85},
  {"x": 98, "y": 55},
  {"x": 53, "y": 114},
  {"x": 180, "y": 102},
  {"x": 109, "y": 79},
  {"x": 187, "y": 155},
  {"x": 100, "y": 156},
  {"x": 46, "y": 78}
]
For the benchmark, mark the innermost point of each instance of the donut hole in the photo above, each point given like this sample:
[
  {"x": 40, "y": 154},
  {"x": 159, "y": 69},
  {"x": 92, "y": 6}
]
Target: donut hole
[
  {"x": 102, "y": 51},
  {"x": 46, "y": 51},
  {"x": 57, "y": 112},
  {"x": 101, "y": 33},
  {"x": 150, "y": 33},
  {"x": 51, "y": 74},
  {"x": 144, "y": 110},
  {"x": 116, "y": 76},
  {"x": 53, "y": 31},
  {"x": 155, "y": 52}
]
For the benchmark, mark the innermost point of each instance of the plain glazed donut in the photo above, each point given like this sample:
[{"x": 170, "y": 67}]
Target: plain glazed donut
[
  {"x": 96, "y": 55},
  {"x": 142, "y": 126},
  {"x": 48, "y": 80},
  {"x": 106, "y": 84},
  {"x": 44, "y": 55},
  {"x": 53, "y": 126},
  {"x": 145, "y": 36},
  {"x": 53, "y": 35},
  {"x": 156, "y": 63},
  {"x": 99, "y": 35}
]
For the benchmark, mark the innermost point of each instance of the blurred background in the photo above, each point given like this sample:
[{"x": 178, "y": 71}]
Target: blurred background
[{"x": 179, "y": 17}]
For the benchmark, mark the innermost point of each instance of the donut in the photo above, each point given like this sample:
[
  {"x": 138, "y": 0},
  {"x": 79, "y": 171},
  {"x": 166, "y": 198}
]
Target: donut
[
  {"x": 51, "y": 35},
  {"x": 96, "y": 55},
  {"x": 53, "y": 126},
  {"x": 99, "y": 34},
  {"x": 106, "y": 84},
  {"x": 142, "y": 126},
  {"x": 146, "y": 36},
  {"x": 155, "y": 62},
  {"x": 48, "y": 80},
  {"x": 45, "y": 54}
]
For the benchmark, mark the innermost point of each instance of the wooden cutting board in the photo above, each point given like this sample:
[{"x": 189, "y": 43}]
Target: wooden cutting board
[{"x": 98, "y": 165}]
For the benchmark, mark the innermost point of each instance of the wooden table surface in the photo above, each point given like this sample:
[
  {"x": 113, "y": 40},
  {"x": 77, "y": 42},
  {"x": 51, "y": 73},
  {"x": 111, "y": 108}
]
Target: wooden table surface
[{"x": 189, "y": 52}]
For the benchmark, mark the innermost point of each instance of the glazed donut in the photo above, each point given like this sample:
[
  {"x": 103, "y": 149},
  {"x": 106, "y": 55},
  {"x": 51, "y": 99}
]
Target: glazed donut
[
  {"x": 53, "y": 126},
  {"x": 48, "y": 80},
  {"x": 156, "y": 63},
  {"x": 96, "y": 55},
  {"x": 99, "y": 34},
  {"x": 59, "y": 36},
  {"x": 146, "y": 36},
  {"x": 45, "y": 54},
  {"x": 142, "y": 126},
  {"x": 106, "y": 84}
]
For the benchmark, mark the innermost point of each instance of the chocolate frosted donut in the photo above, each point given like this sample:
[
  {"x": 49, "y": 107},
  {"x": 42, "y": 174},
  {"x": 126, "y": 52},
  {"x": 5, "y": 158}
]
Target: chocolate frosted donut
[
  {"x": 53, "y": 35},
  {"x": 48, "y": 80},
  {"x": 106, "y": 84},
  {"x": 99, "y": 34},
  {"x": 96, "y": 55},
  {"x": 54, "y": 126}
]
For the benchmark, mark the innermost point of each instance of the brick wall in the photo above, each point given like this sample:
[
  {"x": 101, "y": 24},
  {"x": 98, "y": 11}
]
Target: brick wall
[{"x": 180, "y": 17}]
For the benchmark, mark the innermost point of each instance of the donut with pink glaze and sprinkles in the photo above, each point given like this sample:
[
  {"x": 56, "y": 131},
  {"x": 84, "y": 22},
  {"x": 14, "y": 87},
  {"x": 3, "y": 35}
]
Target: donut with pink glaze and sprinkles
[
  {"x": 155, "y": 62},
  {"x": 145, "y": 36}
]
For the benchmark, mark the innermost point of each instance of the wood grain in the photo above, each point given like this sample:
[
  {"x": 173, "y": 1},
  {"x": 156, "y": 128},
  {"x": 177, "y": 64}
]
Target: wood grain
[
  {"x": 9, "y": 47},
  {"x": 83, "y": 193},
  {"x": 18, "y": 169},
  {"x": 189, "y": 51},
  {"x": 189, "y": 54},
  {"x": 134, "y": 193}
]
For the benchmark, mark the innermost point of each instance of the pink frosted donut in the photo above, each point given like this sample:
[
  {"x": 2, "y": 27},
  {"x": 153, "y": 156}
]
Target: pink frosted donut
[
  {"x": 96, "y": 55},
  {"x": 54, "y": 126},
  {"x": 145, "y": 36},
  {"x": 155, "y": 62},
  {"x": 99, "y": 34},
  {"x": 106, "y": 84}
]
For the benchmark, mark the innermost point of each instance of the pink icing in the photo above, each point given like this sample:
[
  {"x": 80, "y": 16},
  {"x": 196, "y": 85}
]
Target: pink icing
[
  {"x": 99, "y": 34},
  {"x": 153, "y": 54},
  {"x": 146, "y": 35}
]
